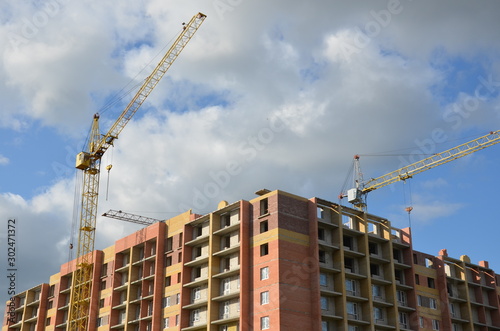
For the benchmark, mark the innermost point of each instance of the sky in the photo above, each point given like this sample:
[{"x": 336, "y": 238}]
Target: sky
[{"x": 268, "y": 94}]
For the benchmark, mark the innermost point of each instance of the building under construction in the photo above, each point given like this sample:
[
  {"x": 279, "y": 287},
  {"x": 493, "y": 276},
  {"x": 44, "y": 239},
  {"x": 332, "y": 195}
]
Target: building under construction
[{"x": 277, "y": 262}]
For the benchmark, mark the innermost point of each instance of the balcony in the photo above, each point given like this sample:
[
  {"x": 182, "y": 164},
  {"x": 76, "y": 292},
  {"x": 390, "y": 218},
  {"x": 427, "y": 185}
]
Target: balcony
[
  {"x": 196, "y": 304},
  {"x": 228, "y": 250},
  {"x": 227, "y": 296},
  {"x": 228, "y": 272},
  {"x": 198, "y": 240},
  {"x": 197, "y": 261},
  {"x": 197, "y": 282},
  {"x": 227, "y": 229},
  {"x": 202, "y": 326}
]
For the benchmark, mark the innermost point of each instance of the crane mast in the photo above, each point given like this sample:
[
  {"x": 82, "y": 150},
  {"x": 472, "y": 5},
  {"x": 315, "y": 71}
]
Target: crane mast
[
  {"x": 89, "y": 162},
  {"x": 357, "y": 196}
]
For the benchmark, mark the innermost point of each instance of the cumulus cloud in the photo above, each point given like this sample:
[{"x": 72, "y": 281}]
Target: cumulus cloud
[{"x": 267, "y": 94}]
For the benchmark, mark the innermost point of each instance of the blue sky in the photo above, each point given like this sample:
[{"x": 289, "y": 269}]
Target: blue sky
[{"x": 286, "y": 100}]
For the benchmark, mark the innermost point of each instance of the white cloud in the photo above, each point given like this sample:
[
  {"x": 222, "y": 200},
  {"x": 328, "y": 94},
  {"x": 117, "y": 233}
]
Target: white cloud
[
  {"x": 261, "y": 97},
  {"x": 4, "y": 160}
]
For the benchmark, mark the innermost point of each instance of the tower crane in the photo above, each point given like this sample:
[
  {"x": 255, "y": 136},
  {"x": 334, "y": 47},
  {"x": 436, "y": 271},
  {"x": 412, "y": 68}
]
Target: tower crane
[
  {"x": 357, "y": 195},
  {"x": 89, "y": 162}
]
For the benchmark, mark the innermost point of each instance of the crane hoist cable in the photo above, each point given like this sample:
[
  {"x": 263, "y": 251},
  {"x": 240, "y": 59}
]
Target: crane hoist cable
[{"x": 89, "y": 161}]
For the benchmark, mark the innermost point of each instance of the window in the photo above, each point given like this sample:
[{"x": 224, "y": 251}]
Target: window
[
  {"x": 177, "y": 298},
  {"x": 51, "y": 304},
  {"x": 104, "y": 270},
  {"x": 226, "y": 264},
  {"x": 225, "y": 309},
  {"x": 323, "y": 279},
  {"x": 322, "y": 256},
  {"x": 321, "y": 234},
  {"x": 427, "y": 302},
  {"x": 320, "y": 212},
  {"x": 166, "y": 302},
  {"x": 47, "y": 322},
  {"x": 435, "y": 324},
  {"x": 225, "y": 220},
  {"x": 431, "y": 282},
  {"x": 166, "y": 323},
  {"x": 373, "y": 248},
  {"x": 195, "y": 315},
  {"x": 374, "y": 269},
  {"x": 348, "y": 242},
  {"x": 324, "y": 303},
  {"x": 103, "y": 285},
  {"x": 226, "y": 242},
  {"x": 168, "y": 281},
  {"x": 378, "y": 314},
  {"x": 324, "y": 326},
  {"x": 124, "y": 278},
  {"x": 197, "y": 272},
  {"x": 179, "y": 278},
  {"x": 398, "y": 257},
  {"x": 417, "y": 279},
  {"x": 226, "y": 286},
  {"x": 264, "y": 298},
  {"x": 264, "y": 207},
  {"x": 264, "y": 273},
  {"x": 350, "y": 286},
  {"x": 223, "y": 328},
  {"x": 197, "y": 252},
  {"x": 197, "y": 231},
  {"x": 352, "y": 328},
  {"x": 401, "y": 295},
  {"x": 421, "y": 321},
  {"x": 99, "y": 321},
  {"x": 168, "y": 261},
  {"x": 264, "y": 323},
  {"x": 125, "y": 260},
  {"x": 264, "y": 249},
  {"x": 101, "y": 303},
  {"x": 179, "y": 257},
  {"x": 196, "y": 293},
  {"x": 399, "y": 276},
  {"x": 352, "y": 309},
  {"x": 176, "y": 320},
  {"x": 428, "y": 264},
  {"x": 403, "y": 320},
  {"x": 264, "y": 226},
  {"x": 377, "y": 291},
  {"x": 121, "y": 317},
  {"x": 169, "y": 244},
  {"x": 349, "y": 264},
  {"x": 452, "y": 310},
  {"x": 51, "y": 290}
]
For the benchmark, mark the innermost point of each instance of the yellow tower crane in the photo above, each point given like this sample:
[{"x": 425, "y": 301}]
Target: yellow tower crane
[
  {"x": 357, "y": 195},
  {"x": 89, "y": 162}
]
